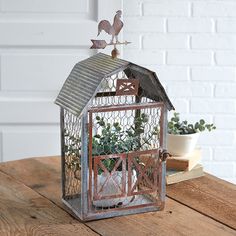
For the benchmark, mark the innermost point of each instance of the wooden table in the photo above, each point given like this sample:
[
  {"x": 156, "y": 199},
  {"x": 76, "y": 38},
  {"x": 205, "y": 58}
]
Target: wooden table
[{"x": 30, "y": 204}]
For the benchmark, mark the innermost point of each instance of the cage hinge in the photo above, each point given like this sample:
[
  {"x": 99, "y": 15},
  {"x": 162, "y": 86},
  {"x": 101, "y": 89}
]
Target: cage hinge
[{"x": 164, "y": 154}]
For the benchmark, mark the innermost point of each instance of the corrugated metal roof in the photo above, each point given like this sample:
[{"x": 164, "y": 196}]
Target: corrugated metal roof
[
  {"x": 84, "y": 79},
  {"x": 149, "y": 82},
  {"x": 83, "y": 82}
]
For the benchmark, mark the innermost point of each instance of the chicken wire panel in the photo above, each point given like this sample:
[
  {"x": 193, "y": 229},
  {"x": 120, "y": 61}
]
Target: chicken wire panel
[
  {"x": 123, "y": 151},
  {"x": 72, "y": 150},
  {"x": 112, "y": 100},
  {"x": 109, "y": 85},
  {"x": 131, "y": 129}
]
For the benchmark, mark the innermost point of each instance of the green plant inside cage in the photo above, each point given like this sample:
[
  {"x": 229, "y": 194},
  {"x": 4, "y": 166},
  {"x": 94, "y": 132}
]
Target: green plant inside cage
[{"x": 112, "y": 138}]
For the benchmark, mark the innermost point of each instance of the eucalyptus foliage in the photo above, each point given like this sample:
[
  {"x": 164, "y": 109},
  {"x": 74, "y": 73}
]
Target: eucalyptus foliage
[
  {"x": 112, "y": 138},
  {"x": 176, "y": 126}
]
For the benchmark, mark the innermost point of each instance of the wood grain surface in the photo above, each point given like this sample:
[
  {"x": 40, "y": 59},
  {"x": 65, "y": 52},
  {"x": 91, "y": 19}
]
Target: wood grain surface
[
  {"x": 210, "y": 196},
  {"x": 203, "y": 206},
  {"x": 25, "y": 212}
]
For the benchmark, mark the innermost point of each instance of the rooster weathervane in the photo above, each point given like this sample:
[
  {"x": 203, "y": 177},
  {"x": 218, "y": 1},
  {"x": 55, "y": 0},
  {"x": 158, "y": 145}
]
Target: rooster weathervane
[{"x": 112, "y": 30}]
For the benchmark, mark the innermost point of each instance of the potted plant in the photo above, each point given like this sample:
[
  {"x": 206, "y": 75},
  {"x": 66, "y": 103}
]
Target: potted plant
[
  {"x": 111, "y": 139},
  {"x": 182, "y": 136}
]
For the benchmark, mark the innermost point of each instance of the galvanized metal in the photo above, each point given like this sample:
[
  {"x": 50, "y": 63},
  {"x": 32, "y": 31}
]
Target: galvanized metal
[
  {"x": 127, "y": 87},
  {"x": 126, "y": 107},
  {"x": 122, "y": 92},
  {"x": 90, "y": 131},
  {"x": 150, "y": 84},
  {"x": 162, "y": 182},
  {"x": 62, "y": 127},
  {"x": 84, "y": 167},
  {"x": 85, "y": 79}
]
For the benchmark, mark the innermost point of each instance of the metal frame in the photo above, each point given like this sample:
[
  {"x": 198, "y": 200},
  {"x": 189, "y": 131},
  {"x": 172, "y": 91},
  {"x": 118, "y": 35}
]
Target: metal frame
[
  {"x": 127, "y": 87},
  {"x": 84, "y": 167},
  {"x": 131, "y": 190},
  {"x": 96, "y": 160},
  {"x": 162, "y": 169},
  {"x": 84, "y": 209},
  {"x": 62, "y": 126},
  {"x": 126, "y": 107}
]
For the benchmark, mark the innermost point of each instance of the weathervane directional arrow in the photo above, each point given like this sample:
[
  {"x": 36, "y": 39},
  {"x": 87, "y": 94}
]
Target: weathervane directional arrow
[
  {"x": 101, "y": 44},
  {"x": 113, "y": 30}
]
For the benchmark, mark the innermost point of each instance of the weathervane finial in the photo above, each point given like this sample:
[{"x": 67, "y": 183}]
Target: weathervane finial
[{"x": 112, "y": 30}]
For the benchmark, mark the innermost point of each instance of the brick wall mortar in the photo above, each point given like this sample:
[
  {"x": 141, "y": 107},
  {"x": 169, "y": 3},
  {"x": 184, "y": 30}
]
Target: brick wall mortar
[{"x": 196, "y": 48}]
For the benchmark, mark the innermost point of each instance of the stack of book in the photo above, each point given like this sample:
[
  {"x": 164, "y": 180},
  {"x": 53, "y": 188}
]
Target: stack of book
[{"x": 180, "y": 168}]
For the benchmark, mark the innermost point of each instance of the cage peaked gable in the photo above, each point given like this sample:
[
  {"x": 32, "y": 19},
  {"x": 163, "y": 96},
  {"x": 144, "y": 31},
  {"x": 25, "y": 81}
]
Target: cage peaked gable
[{"x": 86, "y": 77}]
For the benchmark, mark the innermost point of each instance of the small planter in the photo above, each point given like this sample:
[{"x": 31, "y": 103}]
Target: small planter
[
  {"x": 181, "y": 144},
  {"x": 110, "y": 188},
  {"x": 182, "y": 136}
]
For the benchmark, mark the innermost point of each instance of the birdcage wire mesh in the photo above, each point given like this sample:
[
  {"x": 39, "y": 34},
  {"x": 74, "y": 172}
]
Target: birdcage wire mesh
[
  {"x": 124, "y": 157},
  {"x": 108, "y": 85},
  {"x": 123, "y": 149},
  {"x": 72, "y": 144}
]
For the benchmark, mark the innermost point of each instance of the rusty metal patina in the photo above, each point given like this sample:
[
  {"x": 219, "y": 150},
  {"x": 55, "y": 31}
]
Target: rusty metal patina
[
  {"x": 113, "y": 30},
  {"x": 113, "y": 138}
]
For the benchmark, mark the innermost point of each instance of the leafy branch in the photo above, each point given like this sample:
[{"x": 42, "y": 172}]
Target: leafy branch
[
  {"x": 111, "y": 138},
  {"x": 176, "y": 126}
]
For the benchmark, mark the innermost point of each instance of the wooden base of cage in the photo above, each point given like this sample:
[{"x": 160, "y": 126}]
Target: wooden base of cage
[{"x": 74, "y": 209}]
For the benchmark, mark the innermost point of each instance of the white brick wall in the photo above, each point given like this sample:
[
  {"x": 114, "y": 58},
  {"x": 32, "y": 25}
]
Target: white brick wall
[{"x": 191, "y": 44}]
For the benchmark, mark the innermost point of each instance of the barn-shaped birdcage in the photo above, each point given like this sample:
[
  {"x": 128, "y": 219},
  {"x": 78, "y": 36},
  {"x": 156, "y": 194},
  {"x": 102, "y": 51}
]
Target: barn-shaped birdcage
[{"x": 113, "y": 133}]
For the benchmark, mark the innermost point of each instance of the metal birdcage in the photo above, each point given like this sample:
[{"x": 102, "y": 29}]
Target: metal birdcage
[{"x": 113, "y": 138}]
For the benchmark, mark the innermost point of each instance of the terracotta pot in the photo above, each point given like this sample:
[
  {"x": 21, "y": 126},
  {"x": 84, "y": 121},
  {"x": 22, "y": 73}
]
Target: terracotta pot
[{"x": 181, "y": 145}]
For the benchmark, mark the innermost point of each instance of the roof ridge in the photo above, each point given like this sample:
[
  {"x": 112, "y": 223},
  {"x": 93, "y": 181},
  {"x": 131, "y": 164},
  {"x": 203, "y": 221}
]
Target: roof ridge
[{"x": 88, "y": 74}]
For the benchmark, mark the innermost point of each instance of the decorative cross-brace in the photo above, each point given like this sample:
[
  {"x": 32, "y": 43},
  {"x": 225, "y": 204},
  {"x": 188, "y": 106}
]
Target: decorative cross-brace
[{"x": 127, "y": 87}]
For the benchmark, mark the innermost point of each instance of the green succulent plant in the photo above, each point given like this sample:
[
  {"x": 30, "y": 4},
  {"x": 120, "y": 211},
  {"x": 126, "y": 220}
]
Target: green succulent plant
[{"x": 176, "y": 126}]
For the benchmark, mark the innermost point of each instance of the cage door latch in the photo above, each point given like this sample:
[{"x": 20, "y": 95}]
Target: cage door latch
[{"x": 164, "y": 154}]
